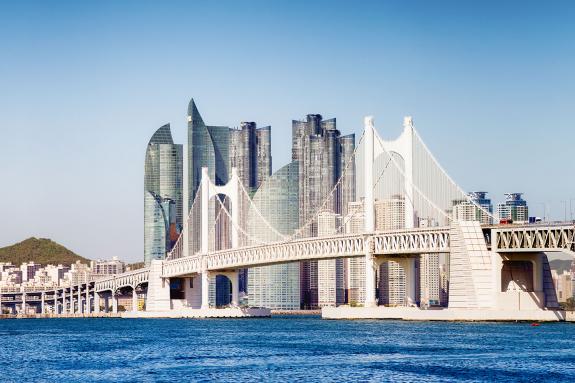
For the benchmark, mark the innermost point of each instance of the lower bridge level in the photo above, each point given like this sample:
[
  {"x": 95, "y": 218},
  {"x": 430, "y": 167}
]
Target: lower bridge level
[{"x": 492, "y": 270}]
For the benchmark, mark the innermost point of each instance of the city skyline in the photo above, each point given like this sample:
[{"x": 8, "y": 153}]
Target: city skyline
[{"x": 58, "y": 191}]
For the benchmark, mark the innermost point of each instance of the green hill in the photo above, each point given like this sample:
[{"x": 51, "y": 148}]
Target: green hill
[{"x": 39, "y": 250}]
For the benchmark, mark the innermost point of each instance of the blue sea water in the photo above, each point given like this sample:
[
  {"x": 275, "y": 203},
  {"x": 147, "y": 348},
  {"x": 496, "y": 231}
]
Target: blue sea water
[{"x": 283, "y": 349}]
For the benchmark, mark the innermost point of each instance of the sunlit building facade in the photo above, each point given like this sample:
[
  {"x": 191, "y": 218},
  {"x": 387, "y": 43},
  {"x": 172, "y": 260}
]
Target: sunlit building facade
[
  {"x": 322, "y": 155},
  {"x": 514, "y": 208},
  {"x": 220, "y": 148},
  {"x": 277, "y": 199},
  {"x": 477, "y": 208}
]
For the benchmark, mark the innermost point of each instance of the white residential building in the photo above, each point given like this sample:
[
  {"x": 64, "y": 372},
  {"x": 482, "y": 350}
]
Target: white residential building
[{"x": 331, "y": 272}]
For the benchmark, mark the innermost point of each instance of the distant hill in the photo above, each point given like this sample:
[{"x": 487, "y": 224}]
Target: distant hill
[
  {"x": 560, "y": 265},
  {"x": 39, "y": 250}
]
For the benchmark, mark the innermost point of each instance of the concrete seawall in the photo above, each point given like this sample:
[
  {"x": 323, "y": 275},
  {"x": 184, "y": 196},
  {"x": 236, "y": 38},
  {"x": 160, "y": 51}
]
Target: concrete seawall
[
  {"x": 46, "y": 316},
  {"x": 416, "y": 314}
]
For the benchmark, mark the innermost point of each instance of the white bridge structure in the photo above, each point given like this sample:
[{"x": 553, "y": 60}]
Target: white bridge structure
[{"x": 495, "y": 271}]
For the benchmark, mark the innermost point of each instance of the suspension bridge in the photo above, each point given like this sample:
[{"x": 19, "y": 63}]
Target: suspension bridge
[{"x": 226, "y": 231}]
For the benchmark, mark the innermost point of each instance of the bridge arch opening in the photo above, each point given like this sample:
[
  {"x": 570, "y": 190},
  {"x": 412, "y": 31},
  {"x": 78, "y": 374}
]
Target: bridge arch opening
[
  {"x": 517, "y": 276},
  {"x": 223, "y": 290}
]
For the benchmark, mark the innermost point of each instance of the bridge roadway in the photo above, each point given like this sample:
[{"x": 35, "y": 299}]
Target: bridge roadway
[
  {"x": 501, "y": 238},
  {"x": 397, "y": 242}
]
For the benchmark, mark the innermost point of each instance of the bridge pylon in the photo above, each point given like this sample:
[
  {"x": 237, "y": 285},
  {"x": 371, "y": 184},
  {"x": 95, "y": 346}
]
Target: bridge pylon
[{"x": 209, "y": 190}]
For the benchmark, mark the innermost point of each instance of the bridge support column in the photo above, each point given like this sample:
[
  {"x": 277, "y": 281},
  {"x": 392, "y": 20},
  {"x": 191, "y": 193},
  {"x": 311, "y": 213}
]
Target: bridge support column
[
  {"x": 114, "y": 302},
  {"x": 204, "y": 221},
  {"x": 88, "y": 309},
  {"x": 23, "y": 302},
  {"x": 234, "y": 196},
  {"x": 369, "y": 215},
  {"x": 134, "y": 300},
  {"x": 370, "y": 274},
  {"x": 407, "y": 154},
  {"x": 80, "y": 311},
  {"x": 205, "y": 290},
  {"x": 71, "y": 310},
  {"x": 96, "y": 302},
  {"x": 408, "y": 266},
  {"x": 158, "y": 298},
  {"x": 235, "y": 279},
  {"x": 42, "y": 303}
]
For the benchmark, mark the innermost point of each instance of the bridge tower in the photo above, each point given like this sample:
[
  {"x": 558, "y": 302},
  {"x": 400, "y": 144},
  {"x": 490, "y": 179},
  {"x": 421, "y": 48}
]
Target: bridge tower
[
  {"x": 209, "y": 191},
  {"x": 403, "y": 146},
  {"x": 369, "y": 224}
]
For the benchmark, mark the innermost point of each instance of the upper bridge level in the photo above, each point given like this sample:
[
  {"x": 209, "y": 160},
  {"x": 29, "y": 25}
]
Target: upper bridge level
[
  {"x": 533, "y": 237},
  {"x": 396, "y": 242},
  {"x": 499, "y": 238}
]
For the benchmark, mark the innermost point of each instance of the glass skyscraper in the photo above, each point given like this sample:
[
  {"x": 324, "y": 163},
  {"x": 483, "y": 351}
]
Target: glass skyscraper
[
  {"x": 162, "y": 194},
  {"x": 322, "y": 155},
  {"x": 276, "y": 286},
  {"x": 208, "y": 146},
  {"x": 220, "y": 148}
]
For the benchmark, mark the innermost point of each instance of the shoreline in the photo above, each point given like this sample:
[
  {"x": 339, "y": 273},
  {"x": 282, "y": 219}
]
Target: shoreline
[{"x": 295, "y": 312}]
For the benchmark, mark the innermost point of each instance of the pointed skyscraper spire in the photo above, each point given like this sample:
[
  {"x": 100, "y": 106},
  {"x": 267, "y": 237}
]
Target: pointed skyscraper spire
[
  {"x": 193, "y": 113},
  {"x": 162, "y": 136}
]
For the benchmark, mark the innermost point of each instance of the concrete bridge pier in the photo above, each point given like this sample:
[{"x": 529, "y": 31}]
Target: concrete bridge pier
[
  {"x": 134, "y": 300},
  {"x": 96, "y": 302},
  {"x": 79, "y": 298},
  {"x": 87, "y": 298},
  {"x": 408, "y": 266},
  {"x": 371, "y": 266},
  {"x": 158, "y": 297},
  {"x": 114, "y": 302},
  {"x": 23, "y": 307},
  {"x": 235, "y": 278},
  {"x": 206, "y": 277}
]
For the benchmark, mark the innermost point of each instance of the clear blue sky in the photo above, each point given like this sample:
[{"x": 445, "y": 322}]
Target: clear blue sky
[{"x": 83, "y": 85}]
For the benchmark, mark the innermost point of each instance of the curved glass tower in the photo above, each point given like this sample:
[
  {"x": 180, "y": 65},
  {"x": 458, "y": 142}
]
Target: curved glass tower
[
  {"x": 162, "y": 194},
  {"x": 276, "y": 286},
  {"x": 208, "y": 146}
]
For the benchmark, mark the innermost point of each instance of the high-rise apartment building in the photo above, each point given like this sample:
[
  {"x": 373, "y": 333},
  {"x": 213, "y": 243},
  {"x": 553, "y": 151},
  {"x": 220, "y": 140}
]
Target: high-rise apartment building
[
  {"x": 514, "y": 208},
  {"x": 563, "y": 285},
  {"x": 430, "y": 280},
  {"x": 277, "y": 199},
  {"x": 477, "y": 208},
  {"x": 444, "y": 284},
  {"x": 107, "y": 267},
  {"x": 208, "y": 146},
  {"x": 220, "y": 148},
  {"x": 390, "y": 215},
  {"x": 355, "y": 267},
  {"x": 322, "y": 156},
  {"x": 162, "y": 194},
  {"x": 250, "y": 153},
  {"x": 29, "y": 270},
  {"x": 331, "y": 272}
]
